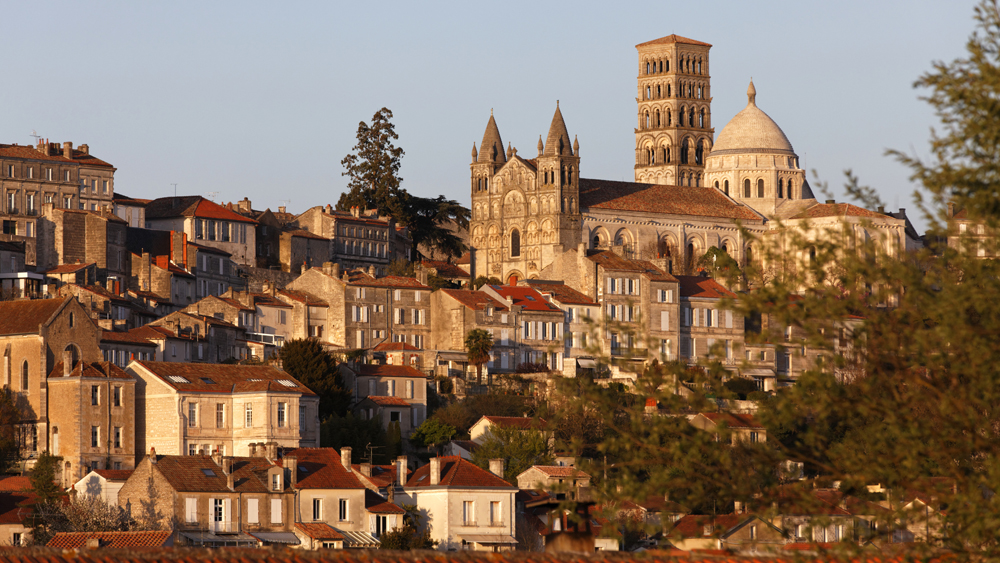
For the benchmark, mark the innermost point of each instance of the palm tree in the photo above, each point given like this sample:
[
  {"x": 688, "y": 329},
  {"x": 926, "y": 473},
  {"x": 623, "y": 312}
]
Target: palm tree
[{"x": 478, "y": 344}]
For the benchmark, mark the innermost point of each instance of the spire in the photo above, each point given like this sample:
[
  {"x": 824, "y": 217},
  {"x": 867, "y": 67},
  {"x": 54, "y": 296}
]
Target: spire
[
  {"x": 557, "y": 141},
  {"x": 491, "y": 149},
  {"x": 510, "y": 151},
  {"x": 541, "y": 147},
  {"x": 474, "y": 153},
  {"x": 751, "y": 94},
  {"x": 576, "y": 146}
]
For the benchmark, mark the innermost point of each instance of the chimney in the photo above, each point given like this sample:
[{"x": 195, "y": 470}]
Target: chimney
[
  {"x": 281, "y": 209},
  {"x": 831, "y": 201},
  {"x": 436, "y": 470},
  {"x": 366, "y": 469},
  {"x": 67, "y": 362},
  {"x": 371, "y": 270},
  {"x": 345, "y": 458},
  {"x": 496, "y": 467},
  {"x": 328, "y": 268},
  {"x": 68, "y": 150},
  {"x": 227, "y": 465},
  {"x": 152, "y": 456},
  {"x": 292, "y": 464},
  {"x": 335, "y": 271},
  {"x": 230, "y": 482},
  {"x": 951, "y": 209},
  {"x": 245, "y": 205},
  {"x": 329, "y": 208},
  {"x": 271, "y": 449},
  {"x": 85, "y": 149},
  {"x": 217, "y": 458},
  {"x": 93, "y": 543},
  {"x": 401, "y": 467}
]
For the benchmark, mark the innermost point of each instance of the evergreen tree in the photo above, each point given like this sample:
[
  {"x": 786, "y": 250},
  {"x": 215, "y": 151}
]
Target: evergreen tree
[
  {"x": 519, "y": 449},
  {"x": 307, "y": 361},
  {"x": 373, "y": 169}
]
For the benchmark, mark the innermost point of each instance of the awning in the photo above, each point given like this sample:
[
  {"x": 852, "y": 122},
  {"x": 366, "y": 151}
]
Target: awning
[
  {"x": 488, "y": 538},
  {"x": 453, "y": 356},
  {"x": 359, "y": 539},
  {"x": 277, "y": 537},
  {"x": 758, "y": 372},
  {"x": 586, "y": 363},
  {"x": 208, "y": 538}
]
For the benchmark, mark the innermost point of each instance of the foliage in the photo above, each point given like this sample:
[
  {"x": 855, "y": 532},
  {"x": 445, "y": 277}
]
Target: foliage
[
  {"x": 337, "y": 432},
  {"x": 478, "y": 344},
  {"x": 431, "y": 222},
  {"x": 461, "y": 415},
  {"x": 408, "y": 537},
  {"x": 402, "y": 268},
  {"x": 481, "y": 280},
  {"x": 85, "y": 513},
  {"x": 720, "y": 265},
  {"x": 393, "y": 440},
  {"x": 47, "y": 493},
  {"x": 432, "y": 433},
  {"x": 10, "y": 416},
  {"x": 519, "y": 449},
  {"x": 741, "y": 387},
  {"x": 307, "y": 361},
  {"x": 437, "y": 282},
  {"x": 530, "y": 367}
]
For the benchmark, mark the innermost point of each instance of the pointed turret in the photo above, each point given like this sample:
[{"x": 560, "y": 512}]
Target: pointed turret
[
  {"x": 751, "y": 94},
  {"x": 510, "y": 151},
  {"x": 541, "y": 147},
  {"x": 557, "y": 142},
  {"x": 576, "y": 146},
  {"x": 474, "y": 153},
  {"x": 491, "y": 149}
]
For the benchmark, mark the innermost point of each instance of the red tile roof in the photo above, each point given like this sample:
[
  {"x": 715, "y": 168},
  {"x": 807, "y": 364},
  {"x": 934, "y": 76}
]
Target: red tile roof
[
  {"x": 69, "y": 268},
  {"x": 561, "y": 471},
  {"x": 191, "y": 206},
  {"x": 361, "y": 278},
  {"x": 526, "y": 297},
  {"x": 200, "y": 474},
  {"x": 32, "y": 153},
  {"x": 395, "y": 347},
  {"x": 445, "y": 270},
  {"x": 303, "y": 297},
  {"x": 381, "y": 475},
  {"x": 97, "y": 290},
  {"x": 561, "y": 292},
  {"x": 693, "y": 525},
  {"x": 24, "y": 316},
  {"x": 702, "y": 287},
  {"x": 612, "y": 262},
  {"x": 733, "y": 420},
  {"x": 388, "y": 371},
  {"x": 77, "y": 540},
  {"x": 319, "y": 530},
  {"x": 266, "y": 300},
  {"x": 225, "y": 378},
  {"x": 15, "y": 506},
  {"x": 139, "y": 336},
  {"x": 839, "y": 210},
  {"x": 103, "y": 370},
  {"x": 457, "y": 472},
  {"x": 475, "y": 300},
  {"x": 115, "y": 474},
  {"x": 387, "y": 401},
  {"x": 670, "y": 39},
  {"x": 655, "y": 198},
  {"x": 322, "y": 468},
  {"x": 464, "y": 259},
  {"x": 375, "y": 504},
  {"x": 15, "y": 483}
]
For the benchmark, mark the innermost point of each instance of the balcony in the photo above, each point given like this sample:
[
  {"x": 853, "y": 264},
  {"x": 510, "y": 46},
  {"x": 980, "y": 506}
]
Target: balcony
[
  {"x": 224, "y": 527},
  {"x": 264, "y": 338}
]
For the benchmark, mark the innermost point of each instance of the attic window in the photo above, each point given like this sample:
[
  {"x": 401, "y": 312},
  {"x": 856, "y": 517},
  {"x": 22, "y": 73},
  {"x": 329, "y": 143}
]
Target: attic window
[
  {"x": 287, "y": 382},
  {"x": 208, "y": 472},
  {"x": 529, "y": 298},
  {"x": 178, "y": 379},
  {"x": 255, "y": 379},
  {"x": 207, "y": 381}
]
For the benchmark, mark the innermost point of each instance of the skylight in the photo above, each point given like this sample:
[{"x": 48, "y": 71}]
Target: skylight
[
  {"x": 178, "y": 379},
  {"x": 207, "y": 381},
  {"x": 287, "y": 382},
  {"x": 208, "y": 472},
  {"x": 255, "y": 379},
  {"x": 529, "y": 298}
]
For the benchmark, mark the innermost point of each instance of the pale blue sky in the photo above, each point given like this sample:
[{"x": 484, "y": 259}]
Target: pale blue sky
[{"x": 262, "y": 99}]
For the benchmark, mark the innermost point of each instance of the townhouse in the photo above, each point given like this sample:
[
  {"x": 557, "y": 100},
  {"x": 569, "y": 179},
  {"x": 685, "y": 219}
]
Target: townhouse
[
  {"x": 66, "y": 236},
  {"x": 388, "y": 392},
  {"x": 581, "y": 318},
  {"x": 359, "y": 238},
  {"x": 539, "y": 328},
  {"x": 208, "y": 339},
  {"x": 206, "y": 224},
  {"x": 707, "y": 327},
  {"x": 457, "y": 312}
]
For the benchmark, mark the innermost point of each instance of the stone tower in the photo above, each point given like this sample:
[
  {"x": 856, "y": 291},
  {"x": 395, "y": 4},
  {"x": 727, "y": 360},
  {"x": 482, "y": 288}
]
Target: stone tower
[
  {"x": 674, "y": 133},
  {"x": 525, "y": 213}
]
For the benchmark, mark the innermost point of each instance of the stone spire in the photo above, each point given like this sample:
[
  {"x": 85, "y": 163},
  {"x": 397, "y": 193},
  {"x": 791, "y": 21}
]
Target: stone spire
[
  {"x": 510, "y": 151},
  {"x": 540, "y": 146},
  {"x": 576, "y": 146},
  {"x": 558, "y": 138},
  {"x": 474, "y": 153},
  {"x": 491, "y": 149},
  {"x": 751, "y": 94}
]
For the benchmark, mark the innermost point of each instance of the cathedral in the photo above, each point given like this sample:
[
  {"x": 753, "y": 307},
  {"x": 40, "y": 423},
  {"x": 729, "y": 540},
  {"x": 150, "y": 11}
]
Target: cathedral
[{"x": 534, "y": 218}]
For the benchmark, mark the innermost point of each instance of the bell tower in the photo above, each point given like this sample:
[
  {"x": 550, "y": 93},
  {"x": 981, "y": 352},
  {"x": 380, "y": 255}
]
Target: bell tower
[{"x": 674, "y": 130}]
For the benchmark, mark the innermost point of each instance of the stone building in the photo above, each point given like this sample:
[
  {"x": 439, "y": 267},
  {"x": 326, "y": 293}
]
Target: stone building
[
  {"x": 108, "y": 309},
  {"x": 396, "y": 390},
  {"x": 190, "y": 409},
  {"x": 208, "y": 339},
  {"x": 300, "y": 250},
  {"x": 705, "y": 323},
  {"x": 360, "y": 238},
  {"x": 537, "y": 333},
  {"x": 206, "y": 223},
  {"x": 580, "y": 311},
  {"x": 130, "y": 209},
  {"x": 457, "y": 312},
  {"x": 65, "y": 177},
  {"x": 67, "y": 236}
]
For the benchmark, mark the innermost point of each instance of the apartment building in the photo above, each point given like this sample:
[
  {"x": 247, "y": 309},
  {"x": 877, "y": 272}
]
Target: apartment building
[
  {"x": 538, "y": 330},
  {"x": 706, "y": 326},
  {"x": 582, "y": 319},
  {"x": 457, "y": 312},
  {"x": 206, "y": 223},
  {"x": 360, "y": 238}
]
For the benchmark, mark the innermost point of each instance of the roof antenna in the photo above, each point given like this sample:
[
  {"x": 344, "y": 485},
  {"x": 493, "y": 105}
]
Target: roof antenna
[
  {"x": 35, "y": 135},
  {"x": 213, "y": 195}
]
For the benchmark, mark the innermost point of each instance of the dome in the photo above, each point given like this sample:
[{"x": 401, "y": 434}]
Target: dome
[{"x": 752, "y": 130}]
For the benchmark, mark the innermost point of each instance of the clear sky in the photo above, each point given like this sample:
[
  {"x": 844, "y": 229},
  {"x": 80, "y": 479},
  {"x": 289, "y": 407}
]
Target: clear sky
[{"x": 262, "y": 99}]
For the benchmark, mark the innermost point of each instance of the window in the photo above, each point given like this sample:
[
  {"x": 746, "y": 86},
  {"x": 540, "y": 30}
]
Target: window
[
  {"x": 302, "y": 416},
  {"x": 95, "y": 436},
  {"x": 248, "y": 421},
  {"x": 746, "y": 187},
  {"x": 409, "y": 389},
  {"x": 515, "y": 243},
  {"x": 753, "y": 437},
  {"x": 118, "y": 436},
  {"x": 381, "y": 524},
  {"x": 496, "y": 515},
  {"x": 275, "y": 482},
  {"x": 469, "y": 513},
  {"x": 342, "y": 513},
  {"x": 192, "y": 415},
  {"x": 192, "y": 449},
  {"x": 253, "y": 511},
  {"x": 118, "y": 396},
  {"x": 95, "y": 394},
  {"x": 393, "y": 416},
  {"x": 317, "y": 509},
  {"x": 760, "y": 188},
  {"x": 220, "y": 415},
  {"x": 276, "y": 511},
  {"x": 16, "y": 539},
  {"x": 753, "y": 532},
  {"x": 24, "y": 376},
  {"x": 281, "y": 315},
  {"x": 281, "y": 414},
  {"x": 191, "y": 510}
]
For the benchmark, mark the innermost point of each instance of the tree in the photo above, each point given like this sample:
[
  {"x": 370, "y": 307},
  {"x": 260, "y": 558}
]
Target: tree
[
  {"x": 47, "y": 495},
  {"x": 478, "y": 344},
  {"x": 373, "y": 169},
  {"x": 307, "y": 361},
  {"x": 10, "y": 416},
  {"x": 433, "y": 222},
  {"x": 393, "y": 440},
  {"x": 432, "y": 433},
  {"x": 408, "y": 536},
  {"x": 337, "y": 432},
  {"x": 520, "y": 449}
]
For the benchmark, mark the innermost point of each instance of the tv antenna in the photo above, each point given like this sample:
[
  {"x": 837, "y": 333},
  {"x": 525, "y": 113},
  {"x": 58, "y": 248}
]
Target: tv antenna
[
  {"x": 286, "y": 202},
  {"x": 213, "y": 195},
  {"x": 175, "y": 189},
  {"x": 35, "y": 135},
  {"x": 371, "y": 451}
]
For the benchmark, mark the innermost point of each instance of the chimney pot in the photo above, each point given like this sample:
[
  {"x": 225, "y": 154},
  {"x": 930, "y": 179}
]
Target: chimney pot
[
  {"x": 272, "y": 450},
  {"x": 401, "y": 468},
  {"x": 345, "y": 458},
  {"x": 68, "y": 150},
  {"x": 366, "y": 469},
  {"x": 152, "y": 455},
  {"x": 496, "y": 467},
  {"x": 435, "y": 470},
  {"x": 281, "y": 209},
  {"x": 230, "y": 482}
]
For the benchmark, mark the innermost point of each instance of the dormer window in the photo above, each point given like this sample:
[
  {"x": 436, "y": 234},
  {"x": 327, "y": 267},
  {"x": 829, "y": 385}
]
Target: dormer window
[{"x": 489, "y": 311}]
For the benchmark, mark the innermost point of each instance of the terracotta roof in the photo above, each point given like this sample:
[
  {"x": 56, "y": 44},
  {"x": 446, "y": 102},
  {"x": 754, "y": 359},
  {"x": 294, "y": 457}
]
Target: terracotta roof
[
  {"x": 303, "y": 297},
  {"x": 304, "y": 234},
  {"x": 693, "y": 525},
  {"x": 15, "y": 506},
  {"x": 224, "y": 378},
  {"x": 381, "y": 475},
  {"x": 209, "y": 249},
  {"x": 655, "y": 198},
  {"x": 138, "y": 293},
  {"x": 614, "y": 263},
  {"x": 388, "y": 371},
  {"x": 15, "y": 483},
  {"x": 561, "y": 471},
  {"x": 387, "y": 401},
  {"x": 395, "y": 347},
  {"x": 228, "y": 301},
  {"x": 526, "y": 297},
  {"x": 25, "y": 315},
  {"x": 103, "y": 370},
  {"x": 839, "y": 210},
  {"x": 457, "y": 472},
  {"x": 561, "y": 292},
  {"x": 446, "y": 270},
  {"x": 476, "y": 300},
  {"x": 674, "y": 39},
  {"x": 69, "y": 268},
  {"x": 114, "y": 474},
  {"x": 32, "y": 153},
  {"x": 322, "y": 468},
  {"x": 96, "y": 290},
  {"x": 361, "y": 278},
  {"x": 200, "y": 474},
  {"x": 464, "y": 259},
  {"x": 191, "y": 206},
  {"x": 113, "y": 540},
  {"x": 702, "y": 287},
  {"x": 733, "y": 420},
  {"x": 319, "y": 530},
  {"x": 265, "y": 300},
  {"x": 375, "y": 504},
  {"x": 139, "y": 336},
  {"x": 522, "y": 422}
]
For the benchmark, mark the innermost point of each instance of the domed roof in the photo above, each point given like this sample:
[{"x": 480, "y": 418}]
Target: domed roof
[{"x": 752, "y": 130}]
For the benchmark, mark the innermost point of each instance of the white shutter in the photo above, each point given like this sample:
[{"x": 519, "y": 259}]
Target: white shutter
[
  {"x": 638, "y": 284},
  {"x": 276, "y": 511},
  {"x": 253, "y": 511},
  {"x": 664, "y": 320},
  {"x": 729, "y": 319},
  {"x": 670, "y": 296},
  {"x": 191, "y": 510},
  {"x": 621, "y": 285},
  {"x": 695, "y": 313},
  {"x": 227, "y": 510},
  {"x": 610, "y": 286}
]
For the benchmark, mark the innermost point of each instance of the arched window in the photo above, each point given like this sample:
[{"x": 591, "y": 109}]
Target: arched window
[
  {"x": 647, "y": 120},
  {"x": 812, "y": 254},
  {"x": 699, "y": 66},
  {"x": 668, "y": 65},
  {"x": 657, "y": 118},
  {"x": 667, "y": 151},
  {"x": 668, "y": 89},
  {"x": 691, "y": 117},
  {"x": 725, "y": 248},
  {"x": 515, "y": 243},
  {"x": 684, "y": 151},
  {"x": 760, "y": 188},
  {"x": 661, "y": 66},
  {"x": 669, "y": 117},
  {"x": 790, "y": 188},
  {"x": 680, "y": 116},
  {"x": 648, "y": 92},
  {"x": 698, "y": 154},
  {"x": 725, "y": 188},
  {"x": 701, "y": 119},
  {"x": 716, "y": 185},
  {"x": 746, "y": 187},
  {"x": 24, "y": 375},
  {"x": 658, "y": 91},
  {"x": 780, "y": 188},
  {"x": 647, "y": 68},
  {"x": 597, "y": 242},
  {"x": 749, "y": 255}
]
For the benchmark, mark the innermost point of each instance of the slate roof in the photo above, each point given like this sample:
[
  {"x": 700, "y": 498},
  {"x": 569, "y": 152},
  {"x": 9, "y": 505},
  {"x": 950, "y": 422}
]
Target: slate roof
[
  {"x": 388, "y": 371},
  {"x": 25, "y": 315},
  {"x": 191, "y": 206},
  {"x": 476, "y": 300},
  {"x": 702, "y": 287},
  {"x": 673, "y": 39},
  {"x": 457, "y": 472},
  {"x": 446, "y": 270},
  {"x": 113, "y": 540},
  {"x": 561, "y": 292},
  {"x": 104, "y": 370},
  {"x": 375, "y": 504},
  {"x": 224, "y": 378},
  {"x": 322, "y": 468},
  {"x": 319, "y": 530},
  {"x": 655, "y": 198},
  {"x": 187, "y": 474},
  {"x": 526, "y": 297}
]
